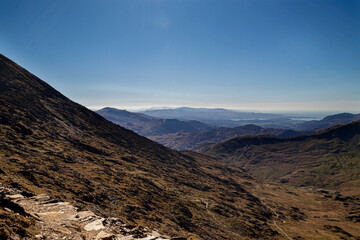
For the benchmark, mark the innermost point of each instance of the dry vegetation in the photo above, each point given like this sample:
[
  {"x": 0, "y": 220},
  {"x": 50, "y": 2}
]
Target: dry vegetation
[
  {"x": 52, "y": 145},
  {"x": 327, "y": 159}
]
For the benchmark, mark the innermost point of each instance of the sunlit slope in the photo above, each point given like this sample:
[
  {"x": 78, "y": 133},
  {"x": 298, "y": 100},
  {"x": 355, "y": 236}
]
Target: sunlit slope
[{"x": 327, "y": 159}]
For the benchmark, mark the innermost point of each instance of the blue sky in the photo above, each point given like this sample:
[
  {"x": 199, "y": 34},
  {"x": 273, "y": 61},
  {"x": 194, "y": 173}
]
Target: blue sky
[{"x": 268, "y": 55}]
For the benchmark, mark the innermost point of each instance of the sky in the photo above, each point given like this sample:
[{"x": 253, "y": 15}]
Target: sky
[{"x": 259, "y": 55}]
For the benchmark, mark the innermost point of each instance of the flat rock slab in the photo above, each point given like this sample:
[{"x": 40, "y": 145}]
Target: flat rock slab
[
  {"x": 81, "y": 216},
  {"x": 49, "y": 213},
  {"x": 104, "y": 236},
  {"x": 15, "y": 196},
  {"x": 56, "y": 204},
  {"x": 62, "y": 220},
  {"x": 124, "y": 237},
  {"x": 94, "y": 226},
  {"x": 41, "y": 197}
]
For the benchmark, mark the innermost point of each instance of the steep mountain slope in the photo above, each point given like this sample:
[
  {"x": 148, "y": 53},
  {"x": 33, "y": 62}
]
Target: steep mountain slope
[
  {"x": 327, "y": 159},
  {"x": 150, "y": 126},
  {"x": 328, "y": 121},
  {"x": 51, "y": 145},
  {"x": 204, "y": 139}
]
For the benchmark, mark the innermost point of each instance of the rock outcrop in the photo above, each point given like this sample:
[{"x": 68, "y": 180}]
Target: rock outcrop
[{"x": 61, "y": 220}]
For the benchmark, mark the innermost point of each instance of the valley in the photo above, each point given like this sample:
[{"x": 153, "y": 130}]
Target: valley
[
  {"x": 54, "y": 147},
  {"x": 329, "y": 158},
  {"x": 190, "y": 134},
  {"x": 179, "y": 120}
]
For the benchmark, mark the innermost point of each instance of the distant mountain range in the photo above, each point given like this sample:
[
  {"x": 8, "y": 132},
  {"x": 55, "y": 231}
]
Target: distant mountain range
[
  {"x": 58, "y": 155},
  {"x": 50, "y": 144},
  {"x": 230, "y": 118},
  {"x": 151, "y": 126},
  {"x": 216, "y": 116},
  {"x": 195, "y": 135},
  {"x": 329, "y": 121},
  {"x": 207, "y": 114},
  {"x": 185, "y": 134}
]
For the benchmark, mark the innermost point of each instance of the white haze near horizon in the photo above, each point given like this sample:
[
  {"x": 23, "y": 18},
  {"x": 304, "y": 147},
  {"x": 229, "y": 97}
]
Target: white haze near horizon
[
  {"x": 315, "y": 109},
  {"x": 301, "y": 115}
]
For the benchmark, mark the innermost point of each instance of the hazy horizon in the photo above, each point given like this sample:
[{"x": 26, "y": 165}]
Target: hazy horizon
[
  {"x": 250, "y": 55},
  {"x": 311, "y": 114},
  {"x": 279, "y": 108}
]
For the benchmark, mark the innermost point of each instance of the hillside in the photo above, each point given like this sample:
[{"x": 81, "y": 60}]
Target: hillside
[
  {"x": 56, "y": 154},
  {"x": 52, "y": 145},
  {"x": 328, "y": 121},
  {"x": 202, "y": 140},
  {"x": 326, "y": 159},
  {"x": 150, "y": 126}
]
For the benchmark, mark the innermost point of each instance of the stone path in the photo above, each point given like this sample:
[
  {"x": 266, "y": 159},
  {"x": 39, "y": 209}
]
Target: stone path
[{"x": 61, "y": 220}]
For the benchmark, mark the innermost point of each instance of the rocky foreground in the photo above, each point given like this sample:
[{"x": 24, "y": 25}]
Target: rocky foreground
[{"x": 61, "y": 220}]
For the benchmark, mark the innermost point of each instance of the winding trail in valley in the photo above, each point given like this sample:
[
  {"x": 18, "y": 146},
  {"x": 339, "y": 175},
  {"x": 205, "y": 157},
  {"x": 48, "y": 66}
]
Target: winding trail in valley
[
  {"x": 213, "y": 216},
  {"x": 224, "y": 228},
  {"x": 276, "y": 214},
  {"x": 275, "y": 224}
]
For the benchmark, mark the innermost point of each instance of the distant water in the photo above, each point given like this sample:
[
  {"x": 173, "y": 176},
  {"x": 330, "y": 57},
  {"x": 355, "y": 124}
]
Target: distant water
[
  {"x": 294, "y": 117},
  {"x": 308, "y": 116},
  {"x": 305, "y": 118}
]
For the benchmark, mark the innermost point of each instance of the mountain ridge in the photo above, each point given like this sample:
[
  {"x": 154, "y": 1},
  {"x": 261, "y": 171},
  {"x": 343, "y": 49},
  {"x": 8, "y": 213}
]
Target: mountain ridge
[
  {"x": 217, "y": 116},
  {"x": 201, "y": 140},
  {"x": 323, "y": 159},
  {"x": 328, "y": 121},
  {"x": 52, "y": 146},
  {"x": 151, "y": 126}
]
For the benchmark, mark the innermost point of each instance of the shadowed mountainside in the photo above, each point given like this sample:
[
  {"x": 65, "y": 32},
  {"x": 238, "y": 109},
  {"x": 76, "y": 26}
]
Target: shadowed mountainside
[
  {"x": 51, "y": 145},
  {"x": 150, "y": 126},
  {"x": 204, "y": 139},
  {"x": 326, "y": 159}
]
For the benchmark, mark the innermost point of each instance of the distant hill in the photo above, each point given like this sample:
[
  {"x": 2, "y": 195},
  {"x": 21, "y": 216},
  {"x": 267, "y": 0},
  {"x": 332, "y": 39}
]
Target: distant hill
[
  {"x": 215, "y": 116},
  {"x": 151, "y": 126},
  {"x": 329, "y": 121},
  {"x": 330, "y": 158},
  {"x": 203, "y": 139}
]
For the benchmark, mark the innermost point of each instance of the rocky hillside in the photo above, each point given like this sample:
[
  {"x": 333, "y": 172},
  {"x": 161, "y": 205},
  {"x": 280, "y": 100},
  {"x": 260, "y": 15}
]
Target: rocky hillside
[
  {"x": 60, "y": 162},
  {"x": 54, "y": 219},
  {"x": 52, "y": 145},
  {"x": 326, "y": 159}
]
